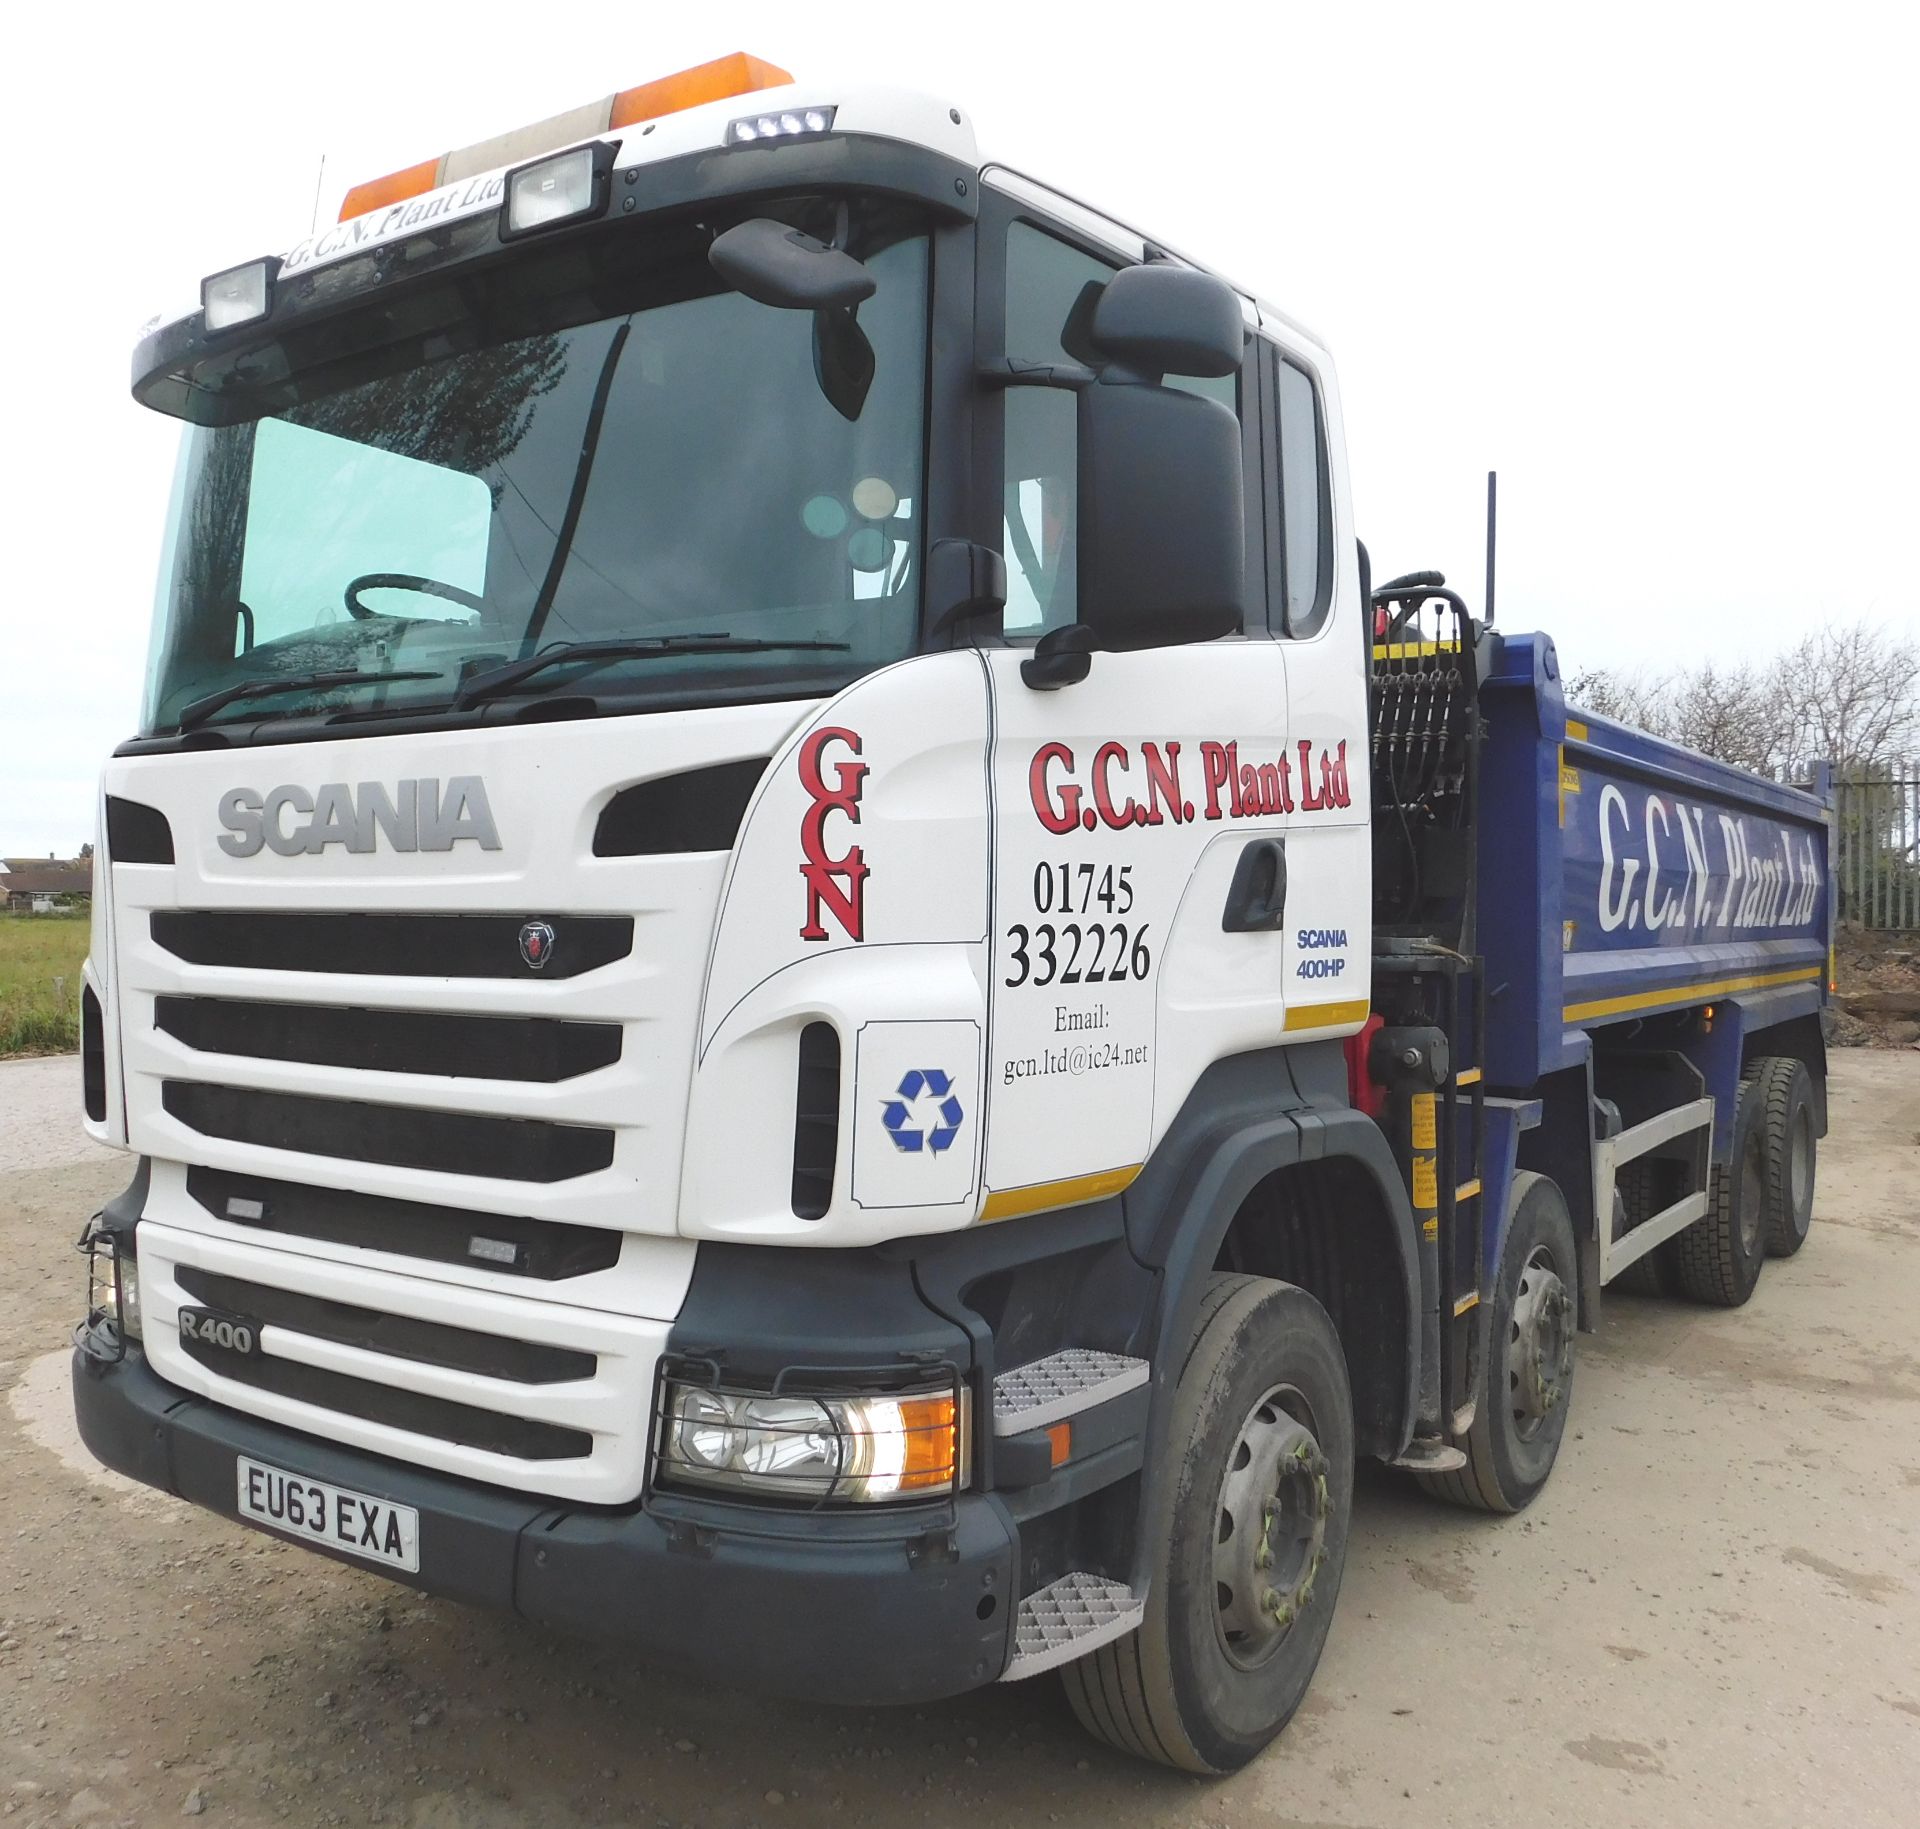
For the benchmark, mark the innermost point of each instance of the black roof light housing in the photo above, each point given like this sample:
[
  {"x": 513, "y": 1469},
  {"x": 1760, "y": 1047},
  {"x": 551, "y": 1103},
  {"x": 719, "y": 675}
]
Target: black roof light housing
[
  {"x": 372, "y": 293},
  {"x": 557, "y": 189}
]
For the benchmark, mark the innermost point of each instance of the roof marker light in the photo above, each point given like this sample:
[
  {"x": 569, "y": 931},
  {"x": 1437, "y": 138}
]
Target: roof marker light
[
  {"x": 796, "y": 124},
  {"x": 725, "y": 77}
]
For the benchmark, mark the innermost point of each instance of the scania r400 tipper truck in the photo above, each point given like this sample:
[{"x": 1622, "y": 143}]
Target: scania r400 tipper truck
[{"x": 802, "y": 973}]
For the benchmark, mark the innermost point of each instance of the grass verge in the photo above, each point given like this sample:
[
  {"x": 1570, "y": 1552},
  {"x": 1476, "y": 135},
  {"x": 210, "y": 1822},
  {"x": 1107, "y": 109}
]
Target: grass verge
[{"x": 40, "y": 959}]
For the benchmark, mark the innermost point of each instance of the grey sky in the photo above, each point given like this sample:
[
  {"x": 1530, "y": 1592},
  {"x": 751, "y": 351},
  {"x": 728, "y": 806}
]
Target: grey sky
[{"x": 1655, "y": 263}]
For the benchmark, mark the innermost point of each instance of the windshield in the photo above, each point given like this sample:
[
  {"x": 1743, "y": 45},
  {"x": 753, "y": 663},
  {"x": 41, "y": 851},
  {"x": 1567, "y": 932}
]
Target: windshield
[{"x": 661, "y": 459}]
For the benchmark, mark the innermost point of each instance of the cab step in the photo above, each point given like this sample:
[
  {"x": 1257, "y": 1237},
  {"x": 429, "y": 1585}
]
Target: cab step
[
  {"x": 1067, "y": 1619},
  {"x": 1047, "y": 1391}
]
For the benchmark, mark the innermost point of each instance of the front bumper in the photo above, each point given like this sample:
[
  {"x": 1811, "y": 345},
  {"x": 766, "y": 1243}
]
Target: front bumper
[{"x": 901, "y": 1607}]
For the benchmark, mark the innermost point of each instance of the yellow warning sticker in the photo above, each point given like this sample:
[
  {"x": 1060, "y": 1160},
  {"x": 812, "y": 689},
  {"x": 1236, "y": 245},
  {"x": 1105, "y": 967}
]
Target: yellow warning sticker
[
  {"x": 1426, "y": 1184},
  {"x": 1569, "y": 779},
  {"x": 1424, "y": 1135},
  {"x": 1430, "y": 1226}
]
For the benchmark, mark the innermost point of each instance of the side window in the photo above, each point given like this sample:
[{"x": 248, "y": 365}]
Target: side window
[
  {"x": 1039, "y": 511},
  {"x": 1305, "y": 503},
  {"x": 1049, "y": 290},
  {"x": 1051, "y": 286}
]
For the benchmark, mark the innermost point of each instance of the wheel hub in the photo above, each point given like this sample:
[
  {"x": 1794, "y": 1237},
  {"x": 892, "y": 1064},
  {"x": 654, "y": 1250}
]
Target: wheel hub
[
  {"x": 1539, "y": 1345},
  {"x": 1271, "y": 1538}
]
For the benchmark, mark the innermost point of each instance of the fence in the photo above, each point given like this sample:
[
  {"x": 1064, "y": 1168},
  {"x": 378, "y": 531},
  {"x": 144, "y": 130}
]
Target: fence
[{"x": 1876, "y": 847}]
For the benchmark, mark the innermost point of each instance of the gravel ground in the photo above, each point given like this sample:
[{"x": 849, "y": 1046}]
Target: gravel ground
[{"x": 1713, "y": 1611}]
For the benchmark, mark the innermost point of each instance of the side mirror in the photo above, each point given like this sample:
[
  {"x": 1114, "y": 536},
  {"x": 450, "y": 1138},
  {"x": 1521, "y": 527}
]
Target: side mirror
[
  {"x": 784, "y": 267},
  {"x": 787, "y": 268},
  {"x": 1162, "y": 523},
  {"x": 1160, "y": 319}
]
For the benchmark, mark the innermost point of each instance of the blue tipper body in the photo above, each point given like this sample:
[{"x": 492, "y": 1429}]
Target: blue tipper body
[{"x": 1621, "y": 876}]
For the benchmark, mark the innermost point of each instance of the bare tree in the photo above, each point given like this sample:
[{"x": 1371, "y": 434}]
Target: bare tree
[
  {"x": 1849, "y": 695},
  {"x": 1629, "y": 695},
  {"x": 1734, "y": 713}
]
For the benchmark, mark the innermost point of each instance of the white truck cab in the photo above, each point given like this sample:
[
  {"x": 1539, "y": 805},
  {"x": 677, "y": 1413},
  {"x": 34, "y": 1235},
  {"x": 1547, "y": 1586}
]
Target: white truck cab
[{"x": 736, "y": 935}]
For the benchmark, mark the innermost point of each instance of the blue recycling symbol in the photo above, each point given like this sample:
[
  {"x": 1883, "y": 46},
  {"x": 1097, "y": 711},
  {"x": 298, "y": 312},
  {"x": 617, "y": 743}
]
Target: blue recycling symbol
[{"x": 924, "y": 1115}]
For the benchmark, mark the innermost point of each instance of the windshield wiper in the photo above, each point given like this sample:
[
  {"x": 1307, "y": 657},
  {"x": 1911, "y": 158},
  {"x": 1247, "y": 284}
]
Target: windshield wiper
[
  {"x": 588, "y": 655},
  {"x": 200, "y": 710}
]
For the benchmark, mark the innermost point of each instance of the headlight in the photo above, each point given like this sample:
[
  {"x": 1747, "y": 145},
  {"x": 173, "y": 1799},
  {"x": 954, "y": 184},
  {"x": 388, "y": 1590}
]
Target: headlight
[
  {"x": 852, "y": 1450},
  {"x": 113, "y": 1292}
]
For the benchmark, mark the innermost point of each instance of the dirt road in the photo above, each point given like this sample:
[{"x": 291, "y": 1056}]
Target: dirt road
[{"x": 1714, "y": 1611}]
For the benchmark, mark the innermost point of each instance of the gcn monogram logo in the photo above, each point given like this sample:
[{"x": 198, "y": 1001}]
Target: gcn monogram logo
[{"x": 835, "y": 885}]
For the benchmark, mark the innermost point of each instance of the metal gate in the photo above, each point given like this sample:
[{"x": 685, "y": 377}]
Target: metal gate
[{"x": 1876, "y": 846}]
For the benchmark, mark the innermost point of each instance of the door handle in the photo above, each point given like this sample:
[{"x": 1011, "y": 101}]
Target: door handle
[{"x": 1257, "y": 900}]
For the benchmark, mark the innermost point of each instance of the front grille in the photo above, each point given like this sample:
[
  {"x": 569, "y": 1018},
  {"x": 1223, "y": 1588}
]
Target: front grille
[
  {"x": 548, "y": 1250},
  {"x": 518, "y": 1436},
  {"x": 463, "y": 1349},
  {"x": 500, "y": 1384},
  {"x": 389, "y": 945},
  {"x": 451, "y": 1143},
  {"x": 530, "y": 1048}
]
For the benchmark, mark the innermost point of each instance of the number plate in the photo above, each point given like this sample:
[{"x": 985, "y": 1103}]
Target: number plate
[{"x": 375, "y": 1530}]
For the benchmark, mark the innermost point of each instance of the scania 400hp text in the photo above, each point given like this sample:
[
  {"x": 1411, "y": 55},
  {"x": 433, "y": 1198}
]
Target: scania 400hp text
[{"x": 802, "y": 974}]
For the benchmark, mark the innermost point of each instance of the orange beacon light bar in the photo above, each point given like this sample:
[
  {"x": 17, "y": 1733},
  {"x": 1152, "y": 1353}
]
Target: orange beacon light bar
[{"x": 738, "y": 73}]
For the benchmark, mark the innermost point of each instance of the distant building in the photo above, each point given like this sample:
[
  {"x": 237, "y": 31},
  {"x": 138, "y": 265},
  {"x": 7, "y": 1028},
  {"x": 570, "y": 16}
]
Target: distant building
[{"x": 36, "y": 886}]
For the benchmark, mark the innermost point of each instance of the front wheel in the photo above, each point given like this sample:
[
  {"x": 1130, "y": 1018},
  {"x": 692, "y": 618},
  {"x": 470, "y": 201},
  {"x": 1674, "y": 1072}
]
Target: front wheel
[
  {"x": 1251, "y": 1536},
  {"x": 1526, "y": 1359}
]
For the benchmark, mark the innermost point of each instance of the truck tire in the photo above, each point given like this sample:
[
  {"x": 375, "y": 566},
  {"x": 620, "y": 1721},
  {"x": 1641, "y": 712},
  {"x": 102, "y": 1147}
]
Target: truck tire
[
  {"x": 1784, "y": 1091},
  {"x": 1717, "y": 1259},
  {"x": 1251, "y": 1537},
  {"x": 1526, "y": 1359},
  {"x": 1651, "y": 1275}
]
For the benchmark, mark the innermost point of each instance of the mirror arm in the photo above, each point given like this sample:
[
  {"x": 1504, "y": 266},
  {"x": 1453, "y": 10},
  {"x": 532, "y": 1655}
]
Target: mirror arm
[
  {"x": 1010, "y": 371},
  {"x": 1061, "y": 657}
]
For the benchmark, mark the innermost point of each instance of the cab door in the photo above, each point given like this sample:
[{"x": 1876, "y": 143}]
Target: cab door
[
  {"x": 1125, "y": 804},
  {"x": 1314, "y": 611}
]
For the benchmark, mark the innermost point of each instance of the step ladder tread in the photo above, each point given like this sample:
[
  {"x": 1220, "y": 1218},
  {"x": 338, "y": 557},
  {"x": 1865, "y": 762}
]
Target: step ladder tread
[
  {"x": 1067, "y": 1619},
  {"x": 1062, "y": 1384}
]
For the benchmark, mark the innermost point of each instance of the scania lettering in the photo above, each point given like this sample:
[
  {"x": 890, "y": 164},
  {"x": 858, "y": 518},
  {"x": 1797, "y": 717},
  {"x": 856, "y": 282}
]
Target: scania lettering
[
  {"x": 416, "y": 817},
  {"x": 801, "y": 971}
]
